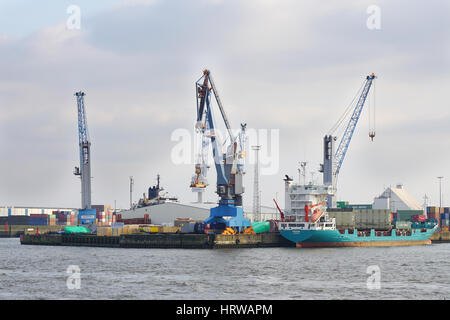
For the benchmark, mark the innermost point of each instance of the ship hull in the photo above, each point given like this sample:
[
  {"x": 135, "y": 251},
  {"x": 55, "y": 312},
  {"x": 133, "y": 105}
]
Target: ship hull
[{"x": 334, "y": 238}]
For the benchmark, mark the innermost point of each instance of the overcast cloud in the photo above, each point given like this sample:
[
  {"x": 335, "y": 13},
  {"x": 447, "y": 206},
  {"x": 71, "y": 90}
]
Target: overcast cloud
[{"x": 287, "y": 65}]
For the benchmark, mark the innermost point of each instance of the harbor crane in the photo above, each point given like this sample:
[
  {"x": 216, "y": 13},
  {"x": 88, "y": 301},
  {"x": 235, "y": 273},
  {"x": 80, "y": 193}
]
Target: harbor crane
[
  {"x": 229, "y": 165},
  {"x": 332, "y": 161},
  {"x": 84, "y": 170}
]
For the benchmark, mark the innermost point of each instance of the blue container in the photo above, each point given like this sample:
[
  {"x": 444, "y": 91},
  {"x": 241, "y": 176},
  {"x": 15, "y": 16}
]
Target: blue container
[
  {"x": 87, "y": 216},
  {"x": 446, "y": 210},
  {"x": 34, "y": 221},
  {"x": 199, "y": 227}
]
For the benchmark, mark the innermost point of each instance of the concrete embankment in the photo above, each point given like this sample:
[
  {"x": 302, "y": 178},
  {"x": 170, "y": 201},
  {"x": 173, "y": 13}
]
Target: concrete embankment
[
  {"x": 13, "y": 231},
  {"x": 440, "y": 237},
  {"x": 161, "y": 240}
]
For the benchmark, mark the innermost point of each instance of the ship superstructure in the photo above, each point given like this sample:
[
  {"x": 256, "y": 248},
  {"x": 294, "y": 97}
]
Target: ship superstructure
[{"x": 305, "y": 207}]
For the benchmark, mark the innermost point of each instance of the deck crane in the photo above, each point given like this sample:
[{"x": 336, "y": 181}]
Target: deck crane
[
  {"x": 332, "y": 161},
  {"x": 84, "y": 170},
  {"x": 229, "y": 165}
]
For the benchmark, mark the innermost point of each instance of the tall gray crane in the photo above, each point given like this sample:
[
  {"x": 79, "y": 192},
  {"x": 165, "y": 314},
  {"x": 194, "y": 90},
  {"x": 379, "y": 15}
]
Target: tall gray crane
[
  {"x": 84, "y": 170},
  {"x": 332, "y": 161}
]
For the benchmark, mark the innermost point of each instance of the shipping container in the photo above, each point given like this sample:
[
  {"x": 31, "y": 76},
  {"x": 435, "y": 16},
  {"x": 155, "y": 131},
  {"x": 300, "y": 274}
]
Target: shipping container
[
  {"x": 344, "y": 219},
  {"x": 418, "y": 218},
  {"x": 342, "y": 204},
  {"x": 166, "y": 229},
  {"x": 405, "y": 215},
  {"x": 199, "y": 227},
  {"x": 373, "y": 219},
  {"x": 403, "y": 225},
  {"x": 18, "y": 220},
  {"x": 188, "y": 227},
  {"x": 360, "y": 206},
  {"x": 34, "y": 221}
]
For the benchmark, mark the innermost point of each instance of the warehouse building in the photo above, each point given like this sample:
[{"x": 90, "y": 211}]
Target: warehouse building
[
  {"x": 167, "y": 212},
  {"x": 396, "y": 199}
]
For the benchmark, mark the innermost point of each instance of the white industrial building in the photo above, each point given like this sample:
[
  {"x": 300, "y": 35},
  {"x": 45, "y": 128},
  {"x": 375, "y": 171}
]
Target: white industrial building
[
  {"x": 167, "y": 212},
  {"x": 396, "y": 199}
]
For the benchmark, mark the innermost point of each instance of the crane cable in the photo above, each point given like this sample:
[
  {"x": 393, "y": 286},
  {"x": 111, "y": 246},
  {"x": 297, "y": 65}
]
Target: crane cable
[
  {"x": 346, "y": 112},
  {"x": 372, "y": 110}
]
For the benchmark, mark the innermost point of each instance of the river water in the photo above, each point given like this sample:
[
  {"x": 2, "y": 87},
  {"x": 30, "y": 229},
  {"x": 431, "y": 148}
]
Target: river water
[{"x": 40, "y": 272}]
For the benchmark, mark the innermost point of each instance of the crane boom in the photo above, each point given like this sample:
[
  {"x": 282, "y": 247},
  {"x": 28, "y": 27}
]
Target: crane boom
[
  {"x": 84, "y": 170},
  {"x": 347, "y": 136},
  {"x": 219, "y": 104}
]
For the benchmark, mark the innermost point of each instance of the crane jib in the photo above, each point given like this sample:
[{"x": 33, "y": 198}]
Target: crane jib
[{"x": 347, "y": 136}]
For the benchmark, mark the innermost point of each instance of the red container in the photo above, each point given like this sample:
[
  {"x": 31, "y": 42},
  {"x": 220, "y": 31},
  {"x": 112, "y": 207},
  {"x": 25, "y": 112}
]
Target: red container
[
  {"x": 36, "y": 215},
  {"x": 419, "y": 218},
  {"x": 432, "y": 215}
]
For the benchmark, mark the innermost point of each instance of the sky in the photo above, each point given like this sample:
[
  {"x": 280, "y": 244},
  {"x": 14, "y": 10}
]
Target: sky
[{"x": 285, "y": 66}]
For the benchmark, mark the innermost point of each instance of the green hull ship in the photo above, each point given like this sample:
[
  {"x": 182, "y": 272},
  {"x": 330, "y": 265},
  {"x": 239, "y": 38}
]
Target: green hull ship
[{"x": 353, "y": 238}]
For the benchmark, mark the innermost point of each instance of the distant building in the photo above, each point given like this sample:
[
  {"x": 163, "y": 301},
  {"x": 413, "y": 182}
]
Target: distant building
[
  {"x": 396, "y": 199},
  {"x": 167, "y": 212}
]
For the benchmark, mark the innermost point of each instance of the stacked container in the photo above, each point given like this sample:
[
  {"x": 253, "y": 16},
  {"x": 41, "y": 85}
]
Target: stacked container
[
  {"x": 434, "y": 212},
  {"x": 38, "y": 219},
  {"x": 403, "y": 225},
  {"x": 418, "y": 218},
  {"x": 345, "y": 218},
  {"x": 52, "y": 220},
  {"x": 445, "y": 220},
  {"x": 379, "y": 219}
]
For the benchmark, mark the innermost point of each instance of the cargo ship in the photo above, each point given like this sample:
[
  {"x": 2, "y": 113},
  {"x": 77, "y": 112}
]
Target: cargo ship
[{"x": 307, "y": 223}]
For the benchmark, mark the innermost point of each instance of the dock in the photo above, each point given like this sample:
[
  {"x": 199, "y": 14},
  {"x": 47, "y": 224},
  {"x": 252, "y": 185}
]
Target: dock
[{"x": 161, "y": 240}]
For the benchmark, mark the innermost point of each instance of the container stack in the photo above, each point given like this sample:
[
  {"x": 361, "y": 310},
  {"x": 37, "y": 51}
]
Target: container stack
[
  {"x": 52, "y": 220},
  {"x": 359, "y": 206},
  {"x": 344, "y": 217},
  {"x": 38, "y": 219},
  {"x": 434, "y": 212},
  {"x": 145, "y": 220},
  {"x": 342, "y": 204},
  {"x": 406, "y": 215},
  {"x": 445, "y": 221},
  {"x": 379, "y": 219},
  {"x": 402, "y": 225}
]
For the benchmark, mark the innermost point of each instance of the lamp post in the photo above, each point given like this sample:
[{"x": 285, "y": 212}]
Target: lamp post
[{"x": 440, "y": 193}]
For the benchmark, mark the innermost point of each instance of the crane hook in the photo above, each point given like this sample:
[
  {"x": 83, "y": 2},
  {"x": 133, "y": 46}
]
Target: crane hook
[{"x": 372, "y": 135}]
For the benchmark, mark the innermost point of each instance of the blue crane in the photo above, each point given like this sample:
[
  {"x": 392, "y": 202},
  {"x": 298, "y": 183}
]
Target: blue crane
[
  {"x": 332, "y": 162},
  {"x": 84, "y": 170},
  {"x": 229, "y": 166}
]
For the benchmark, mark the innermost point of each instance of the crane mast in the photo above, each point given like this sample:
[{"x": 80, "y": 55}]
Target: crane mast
[
  {"x": 229, "y": 165},
  {"x": 332, "y": 161},
  {"x": 84, "y": 170}
]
